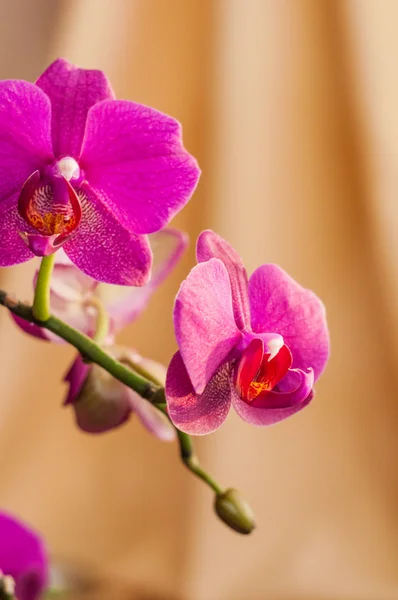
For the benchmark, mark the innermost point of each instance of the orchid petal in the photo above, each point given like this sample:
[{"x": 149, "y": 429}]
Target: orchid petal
[
  {"x": 113, "y": 410},
  {"x": 248, "y": 366},
  {"x": 76, "y": 377},
  {"x": 31, "y": 328},
  {"x": 72, "y": 92},
  {"x": 204, "y": 322},
  {"x": 210, "y": 245},
  {"x": 276, "y": 406},
  {"x": 13, "y": 249},
  {"x": 78, "y": 315},
  {"x": 152, "y": 418},
  {"x": 134, "y": 155},
  {"x": 280, "y": 304},
  {"x": 25, "y": 115},
  {"x": 67, "y": 282},
  {"x": 192, "y": 413},
  {"x": 23, "y": 557},
  {"x": 39, "y": 244},
  {"x": 125, "y": 304},
  {"x": 104, "y": 249},
  {"x": 100, "y": 402},
  {"x": 71, "y": 291}
]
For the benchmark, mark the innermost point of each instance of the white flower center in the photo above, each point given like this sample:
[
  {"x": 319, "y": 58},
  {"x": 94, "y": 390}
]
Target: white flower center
[{"x": 69, "y": 168}]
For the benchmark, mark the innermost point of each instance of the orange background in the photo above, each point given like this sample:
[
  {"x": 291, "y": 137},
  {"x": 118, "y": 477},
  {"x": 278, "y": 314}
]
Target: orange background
[{"x": 291, "y": 107}]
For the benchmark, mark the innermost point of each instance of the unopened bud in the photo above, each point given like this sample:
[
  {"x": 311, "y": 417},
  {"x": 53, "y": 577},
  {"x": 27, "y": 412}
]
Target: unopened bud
[
  {"x": 234, "y": 511},
  {"x": 103, "y": 402}
]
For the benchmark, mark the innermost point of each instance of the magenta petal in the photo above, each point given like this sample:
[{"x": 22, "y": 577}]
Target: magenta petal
[
  {"x": 71, "y": 291},
  {"x": 72, "y": 92},
  {"x": 125, "y": 304},
  {"x": 193, "y": 413},
  {"x": 167, "y": 246},
  {"x": 68, "y": 283},
  {"x": 248, "y": 366},
  {"x": 211, "y": 245},
  {"x": 151, "y": 418},
  {"x": 30, "y": 328},
  {"x": 23, "y": 556},
  {"x": 41, "y": 245},
  {"x": 279, "y": 304},
  {"x": 104, "y": 249},
  {"x": 103, "y": 412},
  {"x": 25, "y": 115},
  {"x": 204, "y": 322},
  {"x": 134, "y": 155},
  {"x": 277, "y": 405},
  {"x": 13, "y": 249},
  {"x": 75, "y": 377}
]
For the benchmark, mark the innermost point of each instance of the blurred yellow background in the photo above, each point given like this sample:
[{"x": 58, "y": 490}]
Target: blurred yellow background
[{"x": 291, "y": 107}]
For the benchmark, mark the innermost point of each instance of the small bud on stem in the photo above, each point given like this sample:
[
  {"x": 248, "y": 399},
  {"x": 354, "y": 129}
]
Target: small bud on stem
[{"x": 234, "y": 511}]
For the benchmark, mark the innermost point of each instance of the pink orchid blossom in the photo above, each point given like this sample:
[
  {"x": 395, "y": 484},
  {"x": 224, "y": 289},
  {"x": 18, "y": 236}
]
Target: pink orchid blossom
[
  {"x": 258, "y": 344},
  {"x": 84, "y": 171},
  {"x": 23, "y": 559}
]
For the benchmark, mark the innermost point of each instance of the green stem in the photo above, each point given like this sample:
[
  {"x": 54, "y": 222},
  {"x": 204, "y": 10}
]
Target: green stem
[
  {"x": 189, "y": 457},
  {"x": 190, "y": 460},
  {"x": 90, "y": 349},
  {"x": 41, "y": 303},
  {"x": 127, "y": 360}
]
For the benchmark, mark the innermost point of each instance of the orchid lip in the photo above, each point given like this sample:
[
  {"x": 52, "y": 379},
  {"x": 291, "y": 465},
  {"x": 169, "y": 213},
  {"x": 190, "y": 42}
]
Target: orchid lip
[
  {"x": 51, "y": 207},
  {"x": 259, "y": 371},
  {"x": 44, "y": 245}
]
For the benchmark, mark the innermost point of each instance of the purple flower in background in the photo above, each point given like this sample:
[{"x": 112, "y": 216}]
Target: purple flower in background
[
  {"x": 23, "y": 559},
  {"x": 82, "y": 170},
  {"x": 258, "y": 344}
]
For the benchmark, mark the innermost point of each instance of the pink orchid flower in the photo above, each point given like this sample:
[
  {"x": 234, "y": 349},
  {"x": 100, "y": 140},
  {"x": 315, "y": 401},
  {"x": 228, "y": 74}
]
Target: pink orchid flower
[
  {"x": 84, "y": 171},
  {"x": 258, "y": 344}
]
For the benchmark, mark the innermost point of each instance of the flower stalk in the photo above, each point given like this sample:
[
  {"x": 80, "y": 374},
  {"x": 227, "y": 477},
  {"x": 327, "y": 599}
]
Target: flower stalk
[
  {"x": 41, "y": 302},
  {"x": 187, "y": 452},
  {"x": 190, "y": 460}
]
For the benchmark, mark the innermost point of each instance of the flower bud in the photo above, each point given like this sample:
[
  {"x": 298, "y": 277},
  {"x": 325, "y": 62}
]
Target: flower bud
[
  {"x": 234, "y": 511},
  {"x": 102, "y": 403}
]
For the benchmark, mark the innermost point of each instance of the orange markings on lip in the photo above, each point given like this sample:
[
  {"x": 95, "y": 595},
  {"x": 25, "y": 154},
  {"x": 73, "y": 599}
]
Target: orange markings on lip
[
  {"x": 52, "y": 207},
  {"x": 50, "y": 223}
]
